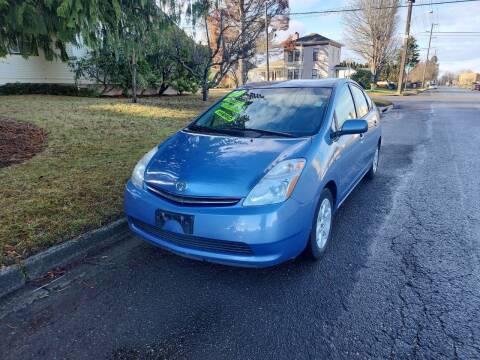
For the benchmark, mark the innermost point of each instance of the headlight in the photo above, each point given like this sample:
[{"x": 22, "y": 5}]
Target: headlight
[
  {"x": 277, "y": 185},
  {"x": 139, "y": 169}
]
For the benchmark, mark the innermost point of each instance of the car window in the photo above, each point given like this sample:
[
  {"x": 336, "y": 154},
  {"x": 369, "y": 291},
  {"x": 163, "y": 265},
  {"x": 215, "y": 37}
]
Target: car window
[
  {"x": 344, "y": 108},
  {"x": 360, "y": 101},
  {"x": 297, "y": 111},
  {"x": 369, "y": 101}
]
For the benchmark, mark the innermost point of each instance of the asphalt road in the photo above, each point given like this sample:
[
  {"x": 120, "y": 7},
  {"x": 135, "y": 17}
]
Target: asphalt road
[{"x": 401, "y": 279}]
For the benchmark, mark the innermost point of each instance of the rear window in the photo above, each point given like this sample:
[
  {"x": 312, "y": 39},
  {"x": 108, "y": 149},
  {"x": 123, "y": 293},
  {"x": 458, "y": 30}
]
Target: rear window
[{"x": 297, "y": 111}]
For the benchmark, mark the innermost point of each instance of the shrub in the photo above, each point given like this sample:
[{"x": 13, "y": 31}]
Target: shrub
[
  {"x": 47, "y": 89},
  {"x": 184, "y": 82},
  {"x": 363, "y": 77}
]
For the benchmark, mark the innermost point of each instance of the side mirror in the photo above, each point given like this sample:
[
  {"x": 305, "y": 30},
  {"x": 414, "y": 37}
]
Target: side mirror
[{"x": 353, "y": 127}]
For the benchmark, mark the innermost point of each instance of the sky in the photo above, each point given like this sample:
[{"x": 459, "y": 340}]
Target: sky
[{"x": 455, "y": 52}]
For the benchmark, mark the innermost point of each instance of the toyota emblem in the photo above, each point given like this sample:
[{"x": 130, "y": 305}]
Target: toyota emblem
[{"x": 180, "y": 186}]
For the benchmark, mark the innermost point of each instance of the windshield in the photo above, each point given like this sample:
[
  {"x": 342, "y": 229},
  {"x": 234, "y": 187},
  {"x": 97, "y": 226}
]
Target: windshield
[{"x": 281, "y": 111}]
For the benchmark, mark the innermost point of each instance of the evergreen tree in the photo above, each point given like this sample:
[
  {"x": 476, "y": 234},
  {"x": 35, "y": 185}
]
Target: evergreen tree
[
  {"x": 128, "y": 27},
  {"x": 392, "y": 68},
  {"x": 48, "y": 25},
  {"x": 413, "y": 53}
]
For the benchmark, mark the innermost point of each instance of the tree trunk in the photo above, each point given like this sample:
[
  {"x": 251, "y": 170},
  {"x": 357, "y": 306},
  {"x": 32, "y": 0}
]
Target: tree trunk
[
  {"x": 204, "y": 91},
  {"x": 134, "y": 77},
  {"x": 162, "y": 89},
  {"x": 373, "y": 79},
  {"x": 242, "y": 70}
]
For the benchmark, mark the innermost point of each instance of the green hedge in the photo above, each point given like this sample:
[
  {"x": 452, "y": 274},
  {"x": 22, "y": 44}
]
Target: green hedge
[
  {"x": 363, "y": 77},
  {"x": 46, "y": 89}
]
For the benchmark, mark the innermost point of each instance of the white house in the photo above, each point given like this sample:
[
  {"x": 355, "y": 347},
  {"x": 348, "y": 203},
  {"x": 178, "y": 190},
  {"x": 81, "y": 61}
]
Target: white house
[
  {"x": 37, "y": 69},
  {"x": 311, "y": 57},
  {"x": 344, "y": 72}
]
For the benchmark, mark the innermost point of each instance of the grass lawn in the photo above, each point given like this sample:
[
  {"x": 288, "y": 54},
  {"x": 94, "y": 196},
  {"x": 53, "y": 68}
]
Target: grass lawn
[
  {"x": 76, "y": 183},
  {"x": 381, "y": 102},
  {"x": 380, "y": 92},
  {"x": 386, "y": 92}
]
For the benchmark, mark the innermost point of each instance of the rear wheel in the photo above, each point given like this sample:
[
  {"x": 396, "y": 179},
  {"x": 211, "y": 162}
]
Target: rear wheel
[
  {"x": 373, "y": 169},
  {"x": 322, "y": 226}
]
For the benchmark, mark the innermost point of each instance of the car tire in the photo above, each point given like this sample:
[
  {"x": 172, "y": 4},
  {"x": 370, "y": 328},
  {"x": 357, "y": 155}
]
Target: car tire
[
  {"x": 321, "y": 235},
  {"x": 374, "y": 168}
]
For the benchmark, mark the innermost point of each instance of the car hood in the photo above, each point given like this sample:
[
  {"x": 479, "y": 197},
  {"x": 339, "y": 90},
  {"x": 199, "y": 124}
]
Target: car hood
[{"x": 223, "y": 166}]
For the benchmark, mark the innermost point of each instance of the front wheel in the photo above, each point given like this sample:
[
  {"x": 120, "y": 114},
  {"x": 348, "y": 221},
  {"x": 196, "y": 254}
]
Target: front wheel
[
  {"x": 322, "y": 226},
  {"x": 373, "y": 169}
]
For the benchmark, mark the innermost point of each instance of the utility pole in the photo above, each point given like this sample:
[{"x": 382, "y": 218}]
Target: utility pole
[
  {"x": 266, "y": 37},
  {"x": 243, "y": 61},
  {"x": 405, "y": 48},
  {"x": 428, "y": 53}
]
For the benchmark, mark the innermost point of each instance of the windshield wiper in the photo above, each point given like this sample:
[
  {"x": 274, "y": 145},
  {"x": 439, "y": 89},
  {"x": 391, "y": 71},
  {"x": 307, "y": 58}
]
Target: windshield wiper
[
  {"x": 237, "y": 132},
  {"x": 209, "y": 130},
  {"x": 272, "y": 133}
]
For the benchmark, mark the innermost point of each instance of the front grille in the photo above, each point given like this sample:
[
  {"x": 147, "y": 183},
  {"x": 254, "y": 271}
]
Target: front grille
[
  {"x": 195, "y": 242},
  {"x": 193, "y": 200}
]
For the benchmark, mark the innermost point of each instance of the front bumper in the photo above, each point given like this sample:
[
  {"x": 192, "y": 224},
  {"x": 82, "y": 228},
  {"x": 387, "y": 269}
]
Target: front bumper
[{"x": 274, "y": 233}]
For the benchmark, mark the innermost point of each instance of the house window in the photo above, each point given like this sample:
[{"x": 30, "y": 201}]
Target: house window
[
  {"x": 315, "y": 54},
  {"x": 314, "y": 74},
  {"x": 293, "y": 56},
  {"x": 293, "y": 74},
  {"x": 297, "y": 55}
]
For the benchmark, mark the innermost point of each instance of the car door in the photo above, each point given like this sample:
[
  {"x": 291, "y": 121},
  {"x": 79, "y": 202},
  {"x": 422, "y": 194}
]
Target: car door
[
  {"x": 368, "y": 140},
  {"x": 346, "y": 146}
]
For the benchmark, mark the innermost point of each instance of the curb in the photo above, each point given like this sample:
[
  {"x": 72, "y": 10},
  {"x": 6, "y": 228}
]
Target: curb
[
  {"x": 11, "y": 278},
  {"x": 14, "y": 277}
]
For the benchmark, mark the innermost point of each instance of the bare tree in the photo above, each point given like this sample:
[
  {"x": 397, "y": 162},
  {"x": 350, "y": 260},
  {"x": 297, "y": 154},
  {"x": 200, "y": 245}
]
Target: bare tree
[
  {"x": 448, "y": 78},
  {"x": 370, "y": 32},
  {"x": 431, "y": 72},
  {"x": 228, "y": 39},
  {"x": 263, "y": 12}
]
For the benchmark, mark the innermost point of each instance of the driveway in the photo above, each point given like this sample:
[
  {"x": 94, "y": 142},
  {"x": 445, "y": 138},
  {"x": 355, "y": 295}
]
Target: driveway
[{"x": 401, "y": 279}]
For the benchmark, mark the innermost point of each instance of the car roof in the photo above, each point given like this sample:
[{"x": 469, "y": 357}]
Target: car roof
[{"x": 329, "y": 82}]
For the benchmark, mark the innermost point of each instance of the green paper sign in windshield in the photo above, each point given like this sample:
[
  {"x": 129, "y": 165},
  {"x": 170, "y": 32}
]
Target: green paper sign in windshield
[{"x": 231, "y": 106}]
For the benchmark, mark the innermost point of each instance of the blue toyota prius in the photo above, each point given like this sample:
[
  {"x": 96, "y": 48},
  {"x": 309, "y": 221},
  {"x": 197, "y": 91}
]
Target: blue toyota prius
[{"x": 256, "y": 179}]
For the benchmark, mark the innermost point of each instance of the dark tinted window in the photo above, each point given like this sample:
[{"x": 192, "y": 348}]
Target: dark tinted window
[
  {"x": 360, "y": 101},
  {"x": 344, "y": 107},
  {"x": 297, "y": 111}
]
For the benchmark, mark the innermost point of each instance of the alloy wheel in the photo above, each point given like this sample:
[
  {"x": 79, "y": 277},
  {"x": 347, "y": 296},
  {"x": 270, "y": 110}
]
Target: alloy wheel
[
  {"x": 375, "y": 161},
  {"x": 324, "y": 223}
]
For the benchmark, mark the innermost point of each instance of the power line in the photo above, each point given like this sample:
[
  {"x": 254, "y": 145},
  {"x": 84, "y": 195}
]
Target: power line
[
  {"x": 455, "y": 32},
  {"x": 342, "y": 10},
  {"x": 466, "y": 36}
]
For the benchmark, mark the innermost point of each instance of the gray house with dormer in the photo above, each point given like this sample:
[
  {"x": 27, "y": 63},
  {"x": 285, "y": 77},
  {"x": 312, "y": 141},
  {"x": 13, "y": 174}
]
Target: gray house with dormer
[{"x": 308, "y": 57}]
